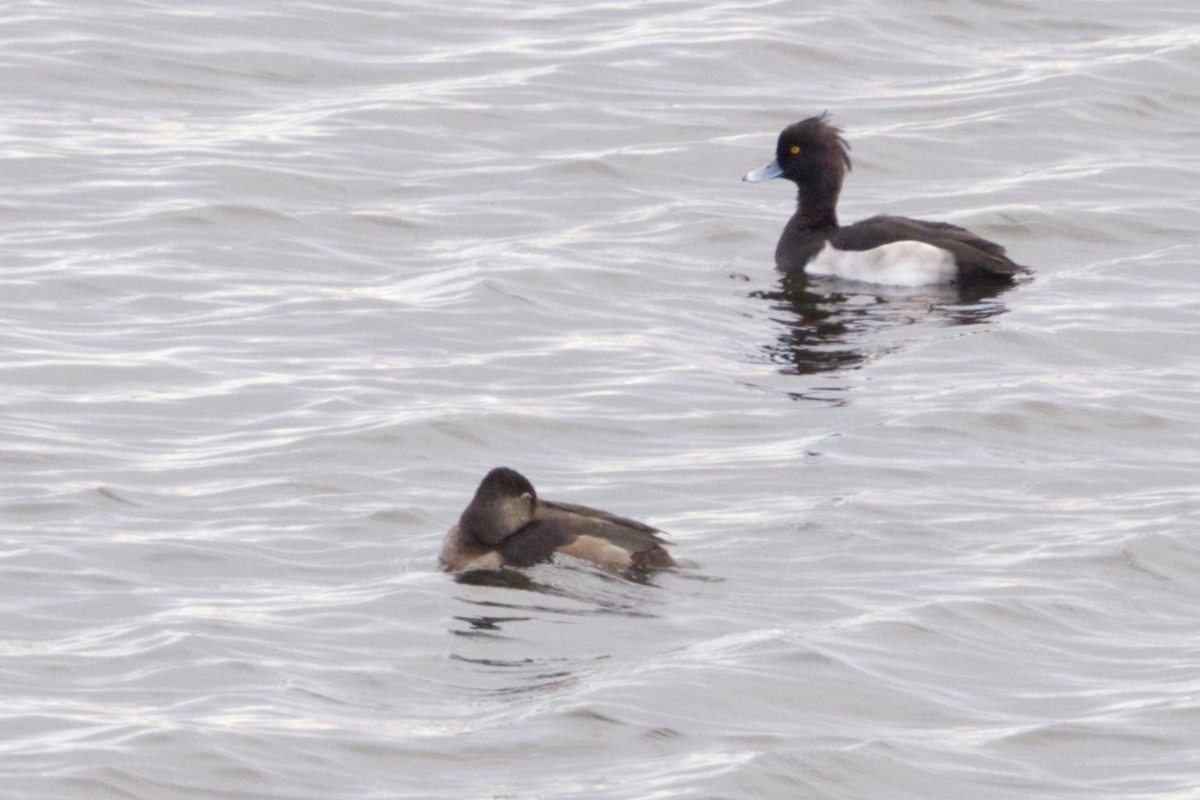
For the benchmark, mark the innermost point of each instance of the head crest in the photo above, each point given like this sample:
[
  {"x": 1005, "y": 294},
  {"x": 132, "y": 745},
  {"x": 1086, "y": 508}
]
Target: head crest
[{"x": 816, "y": 133}]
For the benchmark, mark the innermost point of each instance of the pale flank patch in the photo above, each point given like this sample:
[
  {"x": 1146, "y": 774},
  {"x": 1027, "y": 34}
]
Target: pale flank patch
[
  {"x": 457, "y": 557},
  {"x": 462, "y": 562},
  {"x": 905, "y": 263},
  {"x": 597, "y": 549}
]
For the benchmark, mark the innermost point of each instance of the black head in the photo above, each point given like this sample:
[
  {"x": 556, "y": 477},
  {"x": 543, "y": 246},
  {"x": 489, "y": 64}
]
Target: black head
[
  {"x": 808, "y": 151},
  {"x": 812, "y": 154},
  {"x": 503, "y": 504},
  {"x": 812, "y": 149}
]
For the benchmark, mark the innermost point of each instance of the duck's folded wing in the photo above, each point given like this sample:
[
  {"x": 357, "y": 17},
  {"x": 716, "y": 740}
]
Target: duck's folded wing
[
  {"x": 970, "y": 250},
  {"x": 549, "y": 509},
  {"x": 585, "y": 533}
]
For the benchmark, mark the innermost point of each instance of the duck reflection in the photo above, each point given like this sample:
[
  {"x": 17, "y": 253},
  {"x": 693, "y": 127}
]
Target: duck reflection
[
  {"x": 588, "y": 592},
  {"x": 830, "y": 325},
  {"x": 516, "y": 579}
]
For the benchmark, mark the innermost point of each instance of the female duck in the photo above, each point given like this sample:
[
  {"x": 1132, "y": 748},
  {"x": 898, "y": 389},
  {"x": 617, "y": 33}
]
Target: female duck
[
  {"x": 506, "y": 523},
  {"x": 884, "y": 249}
]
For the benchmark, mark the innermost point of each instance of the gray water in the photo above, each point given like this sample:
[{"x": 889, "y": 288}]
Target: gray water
[{"x": 283, "y": 281}]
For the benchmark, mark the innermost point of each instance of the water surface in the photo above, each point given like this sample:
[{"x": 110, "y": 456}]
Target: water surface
[{"x": 282, "y": 284}]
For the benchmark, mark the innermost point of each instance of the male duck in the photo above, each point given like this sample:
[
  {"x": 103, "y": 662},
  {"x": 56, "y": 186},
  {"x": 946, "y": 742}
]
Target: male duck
[
  {"x": 888, "y": 250},
  {"x": 507, "y": 524}
]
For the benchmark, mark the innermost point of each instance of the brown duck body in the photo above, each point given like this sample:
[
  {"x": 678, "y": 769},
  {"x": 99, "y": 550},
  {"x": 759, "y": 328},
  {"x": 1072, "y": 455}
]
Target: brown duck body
[{"x": 507, "y": 524}]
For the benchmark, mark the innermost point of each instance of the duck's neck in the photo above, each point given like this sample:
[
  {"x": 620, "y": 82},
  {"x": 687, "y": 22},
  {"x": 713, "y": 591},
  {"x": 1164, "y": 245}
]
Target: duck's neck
[{"x": 817, "y": 204}]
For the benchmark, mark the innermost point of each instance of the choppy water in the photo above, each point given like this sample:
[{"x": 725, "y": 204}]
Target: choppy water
[{"x": 282, "y": 281}]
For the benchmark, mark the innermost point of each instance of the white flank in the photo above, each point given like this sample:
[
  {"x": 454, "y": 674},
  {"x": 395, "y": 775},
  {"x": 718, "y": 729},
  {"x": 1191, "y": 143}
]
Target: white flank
[{"x": 905, "y": 263}]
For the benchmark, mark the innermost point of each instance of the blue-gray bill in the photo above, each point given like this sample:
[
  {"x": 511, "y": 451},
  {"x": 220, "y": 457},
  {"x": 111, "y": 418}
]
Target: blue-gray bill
[{"x": 772, "y": 170}]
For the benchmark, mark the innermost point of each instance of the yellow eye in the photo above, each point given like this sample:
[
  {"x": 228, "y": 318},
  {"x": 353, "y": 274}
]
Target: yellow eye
[{"x": 795, "y": 149}]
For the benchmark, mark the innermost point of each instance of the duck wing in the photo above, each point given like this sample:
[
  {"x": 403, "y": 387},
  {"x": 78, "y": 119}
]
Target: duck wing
[
  {"x": 586, "y": 533},
  {"x": 976, "y": 257}
]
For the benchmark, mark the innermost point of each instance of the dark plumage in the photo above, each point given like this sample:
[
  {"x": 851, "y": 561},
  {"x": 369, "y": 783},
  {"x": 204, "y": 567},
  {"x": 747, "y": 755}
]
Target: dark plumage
[
  {"x": 813, "y": 154},
  {"x": 507, "y": 524}
]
